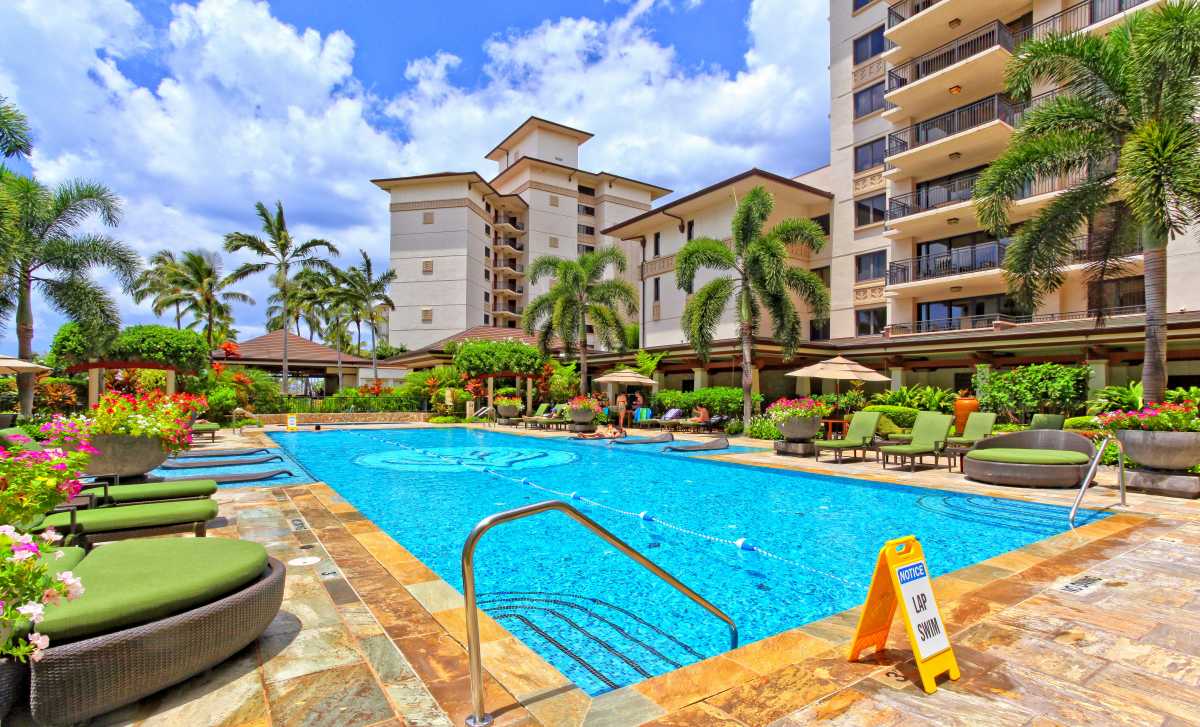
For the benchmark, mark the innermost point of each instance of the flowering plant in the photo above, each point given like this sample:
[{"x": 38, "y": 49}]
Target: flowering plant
[
  {"x": 149, "y": 415},
  {"x": 35, "y": 481},
  {"x": 508, "y": 400},
  {"x": 583, "y": 402},
  {"x": 1154, "y": 418},
  {"x": 783, "y": 409},
  {"x": 231, "y": 349},
  {"x": 27, "y": 587}
]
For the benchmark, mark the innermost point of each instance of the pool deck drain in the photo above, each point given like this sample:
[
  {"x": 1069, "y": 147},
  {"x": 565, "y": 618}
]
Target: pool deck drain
[{"x": 1099, "y": 625}]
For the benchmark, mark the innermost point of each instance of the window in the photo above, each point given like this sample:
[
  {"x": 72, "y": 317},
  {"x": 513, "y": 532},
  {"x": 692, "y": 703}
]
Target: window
[
  {"x": 487, "y": 230},
  {"x": 868, "y": 46},
  {"x": 870, "y": 210},
  {"x": 657, "y": 289},
  {"x": 1122, "y": 293},
  {"x": 870, "y": 266},
  {"x": 554, "y": 200},
  {"x": 487, "y": 274},
  {"x": 553, "y": 241},
  {"x": 860, "y": 4},
  {"x": 585, "y": 229},
  {"x": 657, "y": 244},
  {"x": 961, "y": 313},
  {"x": 691, "y": 229},
  {"x": 870, "y": 321},
  {"x": 426, "y": 218},
  {"x": 822, "y": 273},
  {"x": 486, "y": 296},
  {"x": 427, "y": 315},
  {"x": 427, "y": 267},
  {"x": 868, "y": 100},
  {"x": 869, "y": 155},
  {"x": 512, "y": 324},
  {"x": 486, "y": 319},
  {"x": 582, "y": 249},
  {"x": 586, "y": 210},
  {"x": 590, "y": 191},
  {"x": 823, "y": 222},
  {"x": 818, "y": 330},
  {"x": 487, "y": 206}
]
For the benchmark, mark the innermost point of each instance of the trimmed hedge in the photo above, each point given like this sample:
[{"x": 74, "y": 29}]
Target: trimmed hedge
[
  {"x": 900, "y": 416},
  {"x": 1087, "y": 423},
  {"x": 725, "y": 400}
]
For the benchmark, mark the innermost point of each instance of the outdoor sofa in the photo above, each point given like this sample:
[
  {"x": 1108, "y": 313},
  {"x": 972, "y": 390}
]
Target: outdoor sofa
[
  {"x": 929, "y": 434},
  {"x": 154, "y": 613},
  {"x": 859, "y": 436},
  {"x": 1032, "y": 458}
]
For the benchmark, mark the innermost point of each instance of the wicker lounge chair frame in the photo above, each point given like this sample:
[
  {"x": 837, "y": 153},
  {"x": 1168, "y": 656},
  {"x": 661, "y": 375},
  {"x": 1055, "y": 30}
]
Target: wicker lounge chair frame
[
  {"x": 85, "y": 540},
  {"x": 656, "y": 439},
  {"x": 1032, "y": 475},
  {"x": 169, "y": 465},
  {"x": 711, "y": 444},
  {"x": 81, "y": 679},
  {"x": 220, "y": 453}
]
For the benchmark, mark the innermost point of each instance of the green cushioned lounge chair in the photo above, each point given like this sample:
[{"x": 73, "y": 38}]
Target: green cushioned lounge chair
[
  {"x": 1047, "y": 421},
  {"x": 107, "y": 494},
  {"x": 979, "y": 425},
  {"x": 1032, "y": 458},
  {"x": 154, "y": 613},
  {"x": 116, "y": 522},
  {"x": 929, "y": 438},
  {"x": 541, "y": 412},
  {"x": 906, "y": 437},
  {"x": 859, "y": 437},
  {"x": 209, "y": 428}
]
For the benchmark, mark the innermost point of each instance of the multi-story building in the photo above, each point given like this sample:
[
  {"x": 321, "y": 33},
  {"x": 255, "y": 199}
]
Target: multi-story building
[{"x": 460, "y": 244}]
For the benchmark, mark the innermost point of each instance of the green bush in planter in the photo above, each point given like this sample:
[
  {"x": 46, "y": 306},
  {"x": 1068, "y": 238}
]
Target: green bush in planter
[
  {"x": 1087, "y": 422},
  {"x": 901, "y": 416},
  {"x": 763, "y": 428}
]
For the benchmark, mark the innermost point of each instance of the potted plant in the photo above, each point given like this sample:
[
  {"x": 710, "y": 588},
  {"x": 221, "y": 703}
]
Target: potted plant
[
  {"x": 584, "y": 409},
  {"x": 34, "y": 482},
  {"x": 507, "y": 406},
  {"x": 135, "y": 434},
  {"x": 798, "y": 419},
  {"x": 1158, "y": 436},
  {"x": 964, "y": 405}
]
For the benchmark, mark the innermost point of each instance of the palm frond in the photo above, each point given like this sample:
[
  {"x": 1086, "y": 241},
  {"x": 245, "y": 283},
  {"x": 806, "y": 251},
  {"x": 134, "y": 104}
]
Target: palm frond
[
  {"x": 751, "y": 214},
  {"x": 702, "y": 252},
  {"x": 799, "y": 232},
  {"x": 702, "y": 314},
  {"x": 16, "y": 138},
  {"x": 1158, "y": 175}
]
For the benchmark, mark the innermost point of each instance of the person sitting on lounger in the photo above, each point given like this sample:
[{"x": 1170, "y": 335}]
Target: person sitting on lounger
[
  {"x": 609, "y": 433},
  {"x": 702, "y": 416}
]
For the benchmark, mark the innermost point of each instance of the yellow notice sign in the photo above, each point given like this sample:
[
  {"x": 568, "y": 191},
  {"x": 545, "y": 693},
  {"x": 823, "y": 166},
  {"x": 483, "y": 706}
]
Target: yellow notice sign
[
  {"x": 291, "y": 423},
  {"x": 902, "y": 578}
]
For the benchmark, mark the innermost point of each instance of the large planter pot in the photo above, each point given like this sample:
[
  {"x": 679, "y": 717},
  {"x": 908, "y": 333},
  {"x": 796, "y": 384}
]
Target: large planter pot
[
  {"x": 582, "y": 416},
  {"x": 800, "y": 429},
  {"x": 963, "y": 407},
  {"x": 13, "y": 675},
  {"x": 125, "y": 455},
  {"x": 508, "y": 411},
  {"x": 1161, "y": 450}
]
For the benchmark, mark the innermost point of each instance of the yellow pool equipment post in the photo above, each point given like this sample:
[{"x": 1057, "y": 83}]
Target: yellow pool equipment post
[{"x": 902, "y": 579}]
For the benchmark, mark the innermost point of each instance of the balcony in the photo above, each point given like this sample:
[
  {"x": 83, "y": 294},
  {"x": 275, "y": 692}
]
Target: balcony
[
  {"x": 508, "y": 267},
  {"x": 972, "y": 63},
  {"x": 1095, "y": 16},
  {"x": 511, "y": 226},
  {"x": 507, "y": 311},
  {"x": 966, "y": 137},
  {"x": 914, "y": 25},
  {"x": 511, "y": 290},
  {"x": 960, "y": 261},
  {"x": 1000, "y": 321},
  {"x": 508, "y": 244}
]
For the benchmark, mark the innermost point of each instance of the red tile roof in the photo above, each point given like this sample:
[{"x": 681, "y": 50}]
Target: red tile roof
[{"x": 269, "y": 348}]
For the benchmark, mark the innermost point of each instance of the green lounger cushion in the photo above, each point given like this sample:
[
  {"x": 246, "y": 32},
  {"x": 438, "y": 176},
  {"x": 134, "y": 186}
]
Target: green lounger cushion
[
  {"x": 962, "y": 440},
  {"x": 1009, "y": 455},
  {"x": 70, "y": 559},
  {"x": 909, "y": 449},
  {"x": 900, "y": 437},
  {"x": 206, "y": 427},
  {"x": 155, "y": 490},
  {"x": 839, "y": 443},
  {"x": 137, "y": 581},
  {"x": 149, "y": 515}
]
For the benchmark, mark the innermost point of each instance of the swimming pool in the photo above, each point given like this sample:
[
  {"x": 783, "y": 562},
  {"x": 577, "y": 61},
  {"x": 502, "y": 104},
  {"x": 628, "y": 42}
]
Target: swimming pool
[{"x": 598, "y": 617}]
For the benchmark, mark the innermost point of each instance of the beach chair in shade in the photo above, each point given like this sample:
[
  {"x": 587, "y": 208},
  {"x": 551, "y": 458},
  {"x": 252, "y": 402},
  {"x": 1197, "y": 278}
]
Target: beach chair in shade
[
  {"x": 860, "y": 436},
  {"x": 1047, "y": 421},
  {"x": 541, "y": 412},
  {"x": 930, "y": 432},
  {"x": 670, "y": 416},
  {"x": 979, "y": 425}
]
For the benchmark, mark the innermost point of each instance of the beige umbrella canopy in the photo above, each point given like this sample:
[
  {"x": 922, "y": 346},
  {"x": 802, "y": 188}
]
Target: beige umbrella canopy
[
  {"x": 625, "y": 376},
  {"x": 839, "y": 369},
  {"x": 10, "y": 365}
]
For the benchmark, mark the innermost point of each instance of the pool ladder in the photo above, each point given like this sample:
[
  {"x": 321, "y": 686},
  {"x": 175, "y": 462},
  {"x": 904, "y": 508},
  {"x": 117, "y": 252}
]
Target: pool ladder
[
  {"x": 479, "y": 717},
  {"x": 1091, "y": 474}
]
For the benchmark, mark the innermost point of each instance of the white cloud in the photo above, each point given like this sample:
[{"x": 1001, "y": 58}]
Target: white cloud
[{"x": 249, "y": 108}]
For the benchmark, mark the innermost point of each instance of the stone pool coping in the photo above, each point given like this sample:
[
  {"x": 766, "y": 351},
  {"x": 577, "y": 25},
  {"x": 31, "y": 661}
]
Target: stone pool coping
[{"x": 755, "y": 684}]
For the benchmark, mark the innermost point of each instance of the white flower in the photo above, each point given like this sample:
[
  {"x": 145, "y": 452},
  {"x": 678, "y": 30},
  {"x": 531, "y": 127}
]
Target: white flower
[
  {"x": 51, "y": 536},
  {"x": 8, "y": 530},
  {"x": 39, "y": 641},
  {"x": 32, "y": 611},
  {"x": 20, "y": 555},
  {"x": 73, "y": 584}
]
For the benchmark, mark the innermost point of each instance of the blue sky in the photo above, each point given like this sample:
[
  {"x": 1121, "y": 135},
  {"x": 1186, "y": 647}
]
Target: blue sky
[{"x": 192, "y": 111}]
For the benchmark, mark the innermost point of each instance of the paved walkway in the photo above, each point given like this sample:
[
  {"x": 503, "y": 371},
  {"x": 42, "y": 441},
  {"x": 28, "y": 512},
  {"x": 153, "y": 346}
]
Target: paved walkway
[{"x": 1099, "y": 625}]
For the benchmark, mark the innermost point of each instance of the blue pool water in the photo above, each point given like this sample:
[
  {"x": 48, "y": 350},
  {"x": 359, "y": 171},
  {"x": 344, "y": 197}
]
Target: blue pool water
[{"x": 598, "y": 617}]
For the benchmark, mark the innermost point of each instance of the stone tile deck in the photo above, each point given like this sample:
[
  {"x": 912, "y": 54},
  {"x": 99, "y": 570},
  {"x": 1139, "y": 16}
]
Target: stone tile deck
[{"x": 368, "y": 636}]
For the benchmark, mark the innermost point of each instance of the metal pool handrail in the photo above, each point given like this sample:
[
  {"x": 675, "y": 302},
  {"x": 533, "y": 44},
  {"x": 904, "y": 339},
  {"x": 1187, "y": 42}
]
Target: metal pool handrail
[
  {"x": 1091, "y": 473},
  {"x": 480, "y": 718}
]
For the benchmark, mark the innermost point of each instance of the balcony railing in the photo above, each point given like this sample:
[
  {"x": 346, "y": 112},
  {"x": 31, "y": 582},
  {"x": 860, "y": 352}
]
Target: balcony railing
[
  {"x": 977, "y": 41},
  {"x": 989, "y": 320},
  {"x": 905, "y": 9},
  {"x": 983, "y": 111},
  {"x": 933, "y": 196},
  {"x": 510, "y": 242},
  {"x": 1077, "y": 17},
  {"x": 959, "y": 261}
]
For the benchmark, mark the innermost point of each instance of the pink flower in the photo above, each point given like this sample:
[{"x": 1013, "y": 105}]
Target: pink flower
[
  {"x": 32, "y": 611},
  {"x": 73, "y": 584},
  {"x": 51, "y": 597},
  {"x": 39, "y": 642},
  {"x": 19, "y": 438},
  {"x": 51, "y": 535}
]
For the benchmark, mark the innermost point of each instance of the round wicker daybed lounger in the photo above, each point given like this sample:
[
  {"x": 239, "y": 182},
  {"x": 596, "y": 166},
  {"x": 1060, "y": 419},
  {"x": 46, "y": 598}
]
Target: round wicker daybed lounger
[
  {"x": 160, "y": 611},
  {"x": 1033, "y": 458}
]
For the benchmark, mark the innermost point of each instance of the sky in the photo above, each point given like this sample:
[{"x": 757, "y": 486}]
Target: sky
[{"x": 193, "y": 111}]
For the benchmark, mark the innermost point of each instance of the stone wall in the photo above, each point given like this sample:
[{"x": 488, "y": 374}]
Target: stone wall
[{"x": 365, "y": 416}]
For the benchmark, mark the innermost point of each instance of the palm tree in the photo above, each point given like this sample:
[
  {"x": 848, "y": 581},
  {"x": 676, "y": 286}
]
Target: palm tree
[
  {"x": 367, "y": 295},
  {"x": 1130, "y": 96},
  {"x": 580, "y": 295},
  {"x": 760, "y": 277},
  {"x": 204, "y": 293},
  {"x": 281, "y": 252},
  {"x": 46, "y": 252},
  {"x": 15, "y": 137},
  {"x": 156, "y": 282}
]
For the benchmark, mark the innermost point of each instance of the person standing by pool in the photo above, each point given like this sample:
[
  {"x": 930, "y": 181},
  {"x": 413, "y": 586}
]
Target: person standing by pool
[
  {"x": 638, "y": 403},
  {"x": 622, "y": 406}
]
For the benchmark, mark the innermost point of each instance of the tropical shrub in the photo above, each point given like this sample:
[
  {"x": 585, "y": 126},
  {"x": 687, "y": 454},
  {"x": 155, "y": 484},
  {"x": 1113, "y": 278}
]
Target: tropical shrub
[
  {"x": 726, "y": 400},
  {"x": 1153, "y": 418},
  {"x": 919, "y": 396},
  {"x": 1020, "y": 392},
  {"x": 761, "y": 427},
  {"x": 1178, "y": 395},
  {"x": 221, "y": 402},
  {"x": 507, "y": 391},
  {"x": 1080, "y": 423},
  {"x": 665, "y": 399},
  {"x": 181, "y": 348},
  {"x": 475, "y": 358},
  {"x": 1005, "y": 427},
  {"x": 563, "y": 380},
  {"x": 901, "y": 416},
  {"x": 55, "y": 395},
  {"x": 783, "y": 409},
  {"x": 73, "y": 343},
  {"x": 1116, "y": 398},
  {"x": 585, "y": 403},
  {"x": 734, "y": 427},
  {"x": 8, "y": 393},
  {"x": 853, "y": 400},
  {"x": 445, "y": 420}
]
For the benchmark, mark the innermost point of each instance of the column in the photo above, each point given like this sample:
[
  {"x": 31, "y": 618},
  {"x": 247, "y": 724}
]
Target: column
[
  {"x": 95, "y": 382},
  {"x": 803, "y": 386},
  {"x": 1099, "y": 374},
  {"x": 491, "y": 392},
  {"x": 529, "y": 396},
  {"x": 701, "y": 378},
  {"x": 897, "y": 374},
  {"x": 755, "y": 381},
  {"x": 171, "y": 381}
]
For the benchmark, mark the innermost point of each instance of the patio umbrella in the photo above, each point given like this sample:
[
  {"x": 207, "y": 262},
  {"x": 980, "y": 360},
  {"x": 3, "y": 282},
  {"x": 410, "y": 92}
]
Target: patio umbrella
[
  {"x": 10, "y": 365},
  {"x": 839, "y": 369},
  {"x": 624, "y": 376}
]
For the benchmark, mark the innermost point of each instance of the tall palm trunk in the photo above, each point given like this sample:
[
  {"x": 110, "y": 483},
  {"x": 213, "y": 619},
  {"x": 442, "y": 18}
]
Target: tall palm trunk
[
  {"x": 283, "y": 383},
  {"x": 374, "y": 360},
  {"x": 25, "y": 382},
  {"x": 1154, "y": 364},
  {"x": 583, "y": 363},
  {"x": 747, "y": 374},
  {"x": 337, "y": 345},
  {"x": 178, "y": 318}
]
